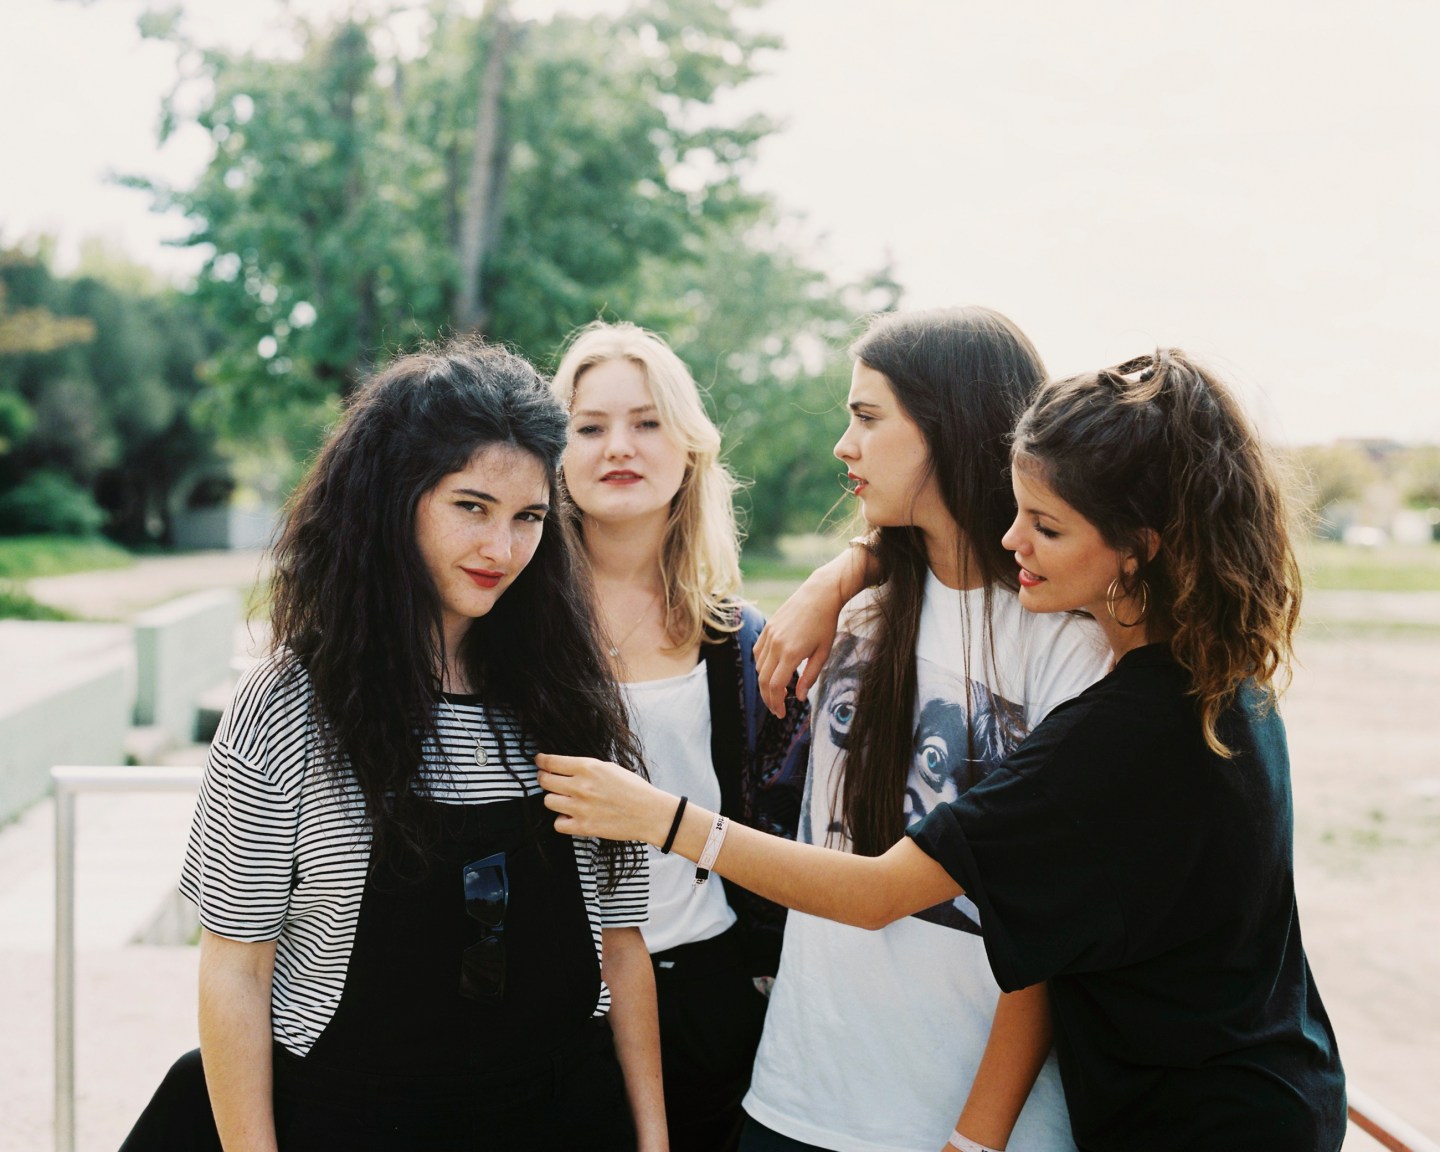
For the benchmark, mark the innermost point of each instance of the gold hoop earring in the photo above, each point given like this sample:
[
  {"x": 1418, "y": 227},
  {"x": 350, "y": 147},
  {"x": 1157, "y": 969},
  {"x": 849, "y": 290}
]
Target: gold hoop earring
[{"x": 1113, "y": 594}]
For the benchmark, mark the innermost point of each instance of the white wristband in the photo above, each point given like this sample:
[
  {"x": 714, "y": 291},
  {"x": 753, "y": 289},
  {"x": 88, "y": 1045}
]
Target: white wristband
[
  {"x": 711, "y": 850},
  {"x": 965, "y": 1144}
]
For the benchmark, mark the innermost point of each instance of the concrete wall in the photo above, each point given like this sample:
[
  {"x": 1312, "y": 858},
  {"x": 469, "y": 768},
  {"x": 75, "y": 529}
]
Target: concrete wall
[
  {"x": 65, "y": 698},
  {"x": 182, "y": 650},
  {"x": 225, "y": 527}
]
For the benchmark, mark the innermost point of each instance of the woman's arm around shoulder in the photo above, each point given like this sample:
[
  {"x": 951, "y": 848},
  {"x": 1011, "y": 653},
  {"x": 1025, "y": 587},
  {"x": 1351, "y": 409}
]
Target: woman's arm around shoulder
[{"x": 802, "y": 629}]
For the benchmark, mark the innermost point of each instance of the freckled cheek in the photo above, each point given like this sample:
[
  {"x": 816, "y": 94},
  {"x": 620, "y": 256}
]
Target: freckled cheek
[{"x": 526, "y": 546}]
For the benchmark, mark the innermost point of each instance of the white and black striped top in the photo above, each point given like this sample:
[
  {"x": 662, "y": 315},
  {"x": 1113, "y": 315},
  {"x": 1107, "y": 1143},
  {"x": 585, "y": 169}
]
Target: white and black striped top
[{"x": 279, "y": 851}]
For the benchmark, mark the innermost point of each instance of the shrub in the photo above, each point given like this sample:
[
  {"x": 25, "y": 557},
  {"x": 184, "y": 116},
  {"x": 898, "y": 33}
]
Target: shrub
[
  {"x": 49, "y": 502},
  {"x": 17, "y": 604}
]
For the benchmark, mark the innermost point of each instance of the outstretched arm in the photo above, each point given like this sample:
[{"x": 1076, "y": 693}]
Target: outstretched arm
[
  {"x": 596, "y": 798},
  {"x": 803, "y": 628}
]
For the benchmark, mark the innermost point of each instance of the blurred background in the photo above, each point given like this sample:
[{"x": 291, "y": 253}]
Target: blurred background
[{"x": 215, "y": 218}]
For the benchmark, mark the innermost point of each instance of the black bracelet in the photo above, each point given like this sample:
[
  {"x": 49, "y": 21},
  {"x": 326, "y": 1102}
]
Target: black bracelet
[{"x": 674, "y": 826}]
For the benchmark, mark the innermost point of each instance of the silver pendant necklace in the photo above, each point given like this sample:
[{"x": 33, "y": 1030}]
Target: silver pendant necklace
[
  {"x": 481, "y": 759},
  {"x": 614, "y": 648}
]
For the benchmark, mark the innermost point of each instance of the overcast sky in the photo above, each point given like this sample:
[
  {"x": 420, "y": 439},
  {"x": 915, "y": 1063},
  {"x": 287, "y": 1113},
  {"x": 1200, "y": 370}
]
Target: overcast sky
[{"x": 1252, "y": 180}]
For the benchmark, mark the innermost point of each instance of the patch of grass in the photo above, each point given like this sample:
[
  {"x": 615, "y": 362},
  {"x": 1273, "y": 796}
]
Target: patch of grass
[
  {"x": 1421, "y": 631},
  {"x": 257, "y": 601},
  {"x": 1391, "y": 568},
  {"x": 17, "y": 604},
  {"x": 27, "y": 557},
  {"x": 774, "y": 568}
]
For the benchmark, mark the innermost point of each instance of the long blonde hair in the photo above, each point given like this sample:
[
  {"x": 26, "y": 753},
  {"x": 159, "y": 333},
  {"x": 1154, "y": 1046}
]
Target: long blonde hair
[{"x": 700, "y": 552}]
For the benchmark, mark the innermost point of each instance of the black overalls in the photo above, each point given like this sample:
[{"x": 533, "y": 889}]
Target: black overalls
[{"x": 408, "y": 1064}]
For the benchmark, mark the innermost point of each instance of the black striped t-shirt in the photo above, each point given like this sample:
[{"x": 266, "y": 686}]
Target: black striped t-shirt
[{"x": 279, "y": 849}]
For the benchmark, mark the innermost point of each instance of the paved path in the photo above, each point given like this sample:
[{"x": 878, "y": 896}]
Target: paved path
[
  {"x": 120, "y": 593},
  {"x": 135, "y": 1004}
]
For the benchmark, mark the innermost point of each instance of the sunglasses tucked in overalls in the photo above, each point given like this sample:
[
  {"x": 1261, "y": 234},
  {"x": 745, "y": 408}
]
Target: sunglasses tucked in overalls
[{"x": 464, "y": 1024}]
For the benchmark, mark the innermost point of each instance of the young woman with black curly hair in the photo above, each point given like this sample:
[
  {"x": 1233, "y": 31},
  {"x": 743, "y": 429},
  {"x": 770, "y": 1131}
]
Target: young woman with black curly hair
[
  {"x": 398, "y": 951},
  {"x": 1135, "y": 852}
]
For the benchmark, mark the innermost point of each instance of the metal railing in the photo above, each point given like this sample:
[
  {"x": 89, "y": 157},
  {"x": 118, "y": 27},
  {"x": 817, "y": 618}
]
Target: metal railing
[
  {"x": 69, "y": 783},
  {"x": 1384, "y": 1127},
  {"x": 1377, "y": 1121}
]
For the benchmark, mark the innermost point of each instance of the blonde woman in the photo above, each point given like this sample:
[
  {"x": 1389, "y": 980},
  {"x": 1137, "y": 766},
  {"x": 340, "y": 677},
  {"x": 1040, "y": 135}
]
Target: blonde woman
[{"x": 643, "y": 467}]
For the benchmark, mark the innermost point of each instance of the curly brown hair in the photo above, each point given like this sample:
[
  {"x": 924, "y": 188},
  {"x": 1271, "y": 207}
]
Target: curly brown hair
[{"x": 1161, "y": 444}]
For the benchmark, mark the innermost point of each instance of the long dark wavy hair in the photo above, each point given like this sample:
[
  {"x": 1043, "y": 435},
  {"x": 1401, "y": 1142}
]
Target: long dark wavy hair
[
  {"x": 354, "y": 604},
  {"x": 1161, "y": 444},
  {"x": 963, "y": 375}
]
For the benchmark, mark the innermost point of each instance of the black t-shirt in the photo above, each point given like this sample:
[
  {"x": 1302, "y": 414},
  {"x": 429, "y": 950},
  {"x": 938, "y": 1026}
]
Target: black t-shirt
[{"x": 1151, "y": 882}]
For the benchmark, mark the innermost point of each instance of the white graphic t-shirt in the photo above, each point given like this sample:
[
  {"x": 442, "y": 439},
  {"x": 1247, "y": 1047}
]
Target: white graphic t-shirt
[{"x": 873, "y": 1038}]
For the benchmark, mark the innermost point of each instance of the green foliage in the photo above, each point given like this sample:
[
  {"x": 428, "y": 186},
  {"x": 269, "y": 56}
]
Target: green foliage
[
  {"x": 1331, "y": 474},
  {"x": 334, "y": 199},
  {"x": 1418, "y": 469},
  {"x": 337, "y": 201},
  {"x": 27, "y": 557},
  {"x": 49, "y": 501},
  {"x": 113, "y": 413},
  {"x": 17, "y": 604},
  {"x": 1390, "y": 568},
  {"x": 17, "y": 419}
]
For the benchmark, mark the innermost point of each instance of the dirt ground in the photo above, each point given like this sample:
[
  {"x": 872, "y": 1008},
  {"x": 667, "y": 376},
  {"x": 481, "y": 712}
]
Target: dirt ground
[
  {"x": 1364, "y": 724},
  {"x": 1363, "y": 718}
]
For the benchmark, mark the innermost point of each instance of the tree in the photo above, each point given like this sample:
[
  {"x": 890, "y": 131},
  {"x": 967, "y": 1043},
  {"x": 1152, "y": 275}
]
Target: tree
[
  {"x": 1333, "y": 474},
  {"x": 350, "y": 211},
  {"x": 521, "y": 177},
  {"x": 100, "y": 430},
  {"x": 1418, "y": 471}
]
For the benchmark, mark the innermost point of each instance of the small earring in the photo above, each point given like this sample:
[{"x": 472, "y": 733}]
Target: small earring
[{"x": 1113, "y": 595}]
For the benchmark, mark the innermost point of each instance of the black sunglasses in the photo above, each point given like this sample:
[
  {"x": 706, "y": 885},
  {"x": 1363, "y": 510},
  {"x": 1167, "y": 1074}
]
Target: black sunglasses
[{"x": 487, "y": 895}]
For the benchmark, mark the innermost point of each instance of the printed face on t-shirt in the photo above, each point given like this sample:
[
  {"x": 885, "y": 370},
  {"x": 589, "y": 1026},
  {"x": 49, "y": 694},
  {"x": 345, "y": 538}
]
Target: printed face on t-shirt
[{"x": 959, "y": 736}]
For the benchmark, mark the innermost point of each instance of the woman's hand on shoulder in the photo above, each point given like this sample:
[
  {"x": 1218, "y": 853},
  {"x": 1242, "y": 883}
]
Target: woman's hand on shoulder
[
  {"x": 598, "y": 798},
  {"x": 798, "y": 637}
]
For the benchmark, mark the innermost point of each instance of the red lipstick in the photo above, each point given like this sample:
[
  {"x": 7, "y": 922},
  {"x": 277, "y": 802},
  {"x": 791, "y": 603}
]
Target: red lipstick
[
  {"x": 1028, "y": 579},
  {"x": 484, "y": 577}
]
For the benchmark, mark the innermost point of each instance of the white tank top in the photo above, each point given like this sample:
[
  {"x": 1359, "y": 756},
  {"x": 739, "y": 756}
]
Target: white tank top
[{"x": 672, "y": 719}]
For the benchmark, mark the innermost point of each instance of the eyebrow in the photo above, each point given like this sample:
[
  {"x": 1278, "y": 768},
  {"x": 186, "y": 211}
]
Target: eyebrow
[
  {"x": 486, "y": 498},
  {"x": 1031, "y": 510},
  {"x": 856, "y": 405},
  {"x": 599, "y": 412}
]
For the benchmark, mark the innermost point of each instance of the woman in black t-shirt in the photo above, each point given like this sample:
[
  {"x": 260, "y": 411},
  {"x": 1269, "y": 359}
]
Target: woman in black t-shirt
[{"x": 1136, "y": 850}]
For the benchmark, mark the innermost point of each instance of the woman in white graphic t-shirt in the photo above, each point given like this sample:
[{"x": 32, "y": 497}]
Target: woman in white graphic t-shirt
[{"x": 891, "y": 1040}]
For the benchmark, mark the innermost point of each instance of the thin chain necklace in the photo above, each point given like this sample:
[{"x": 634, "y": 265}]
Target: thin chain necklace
[
  {"x": 481, "y": 759},
  {"x": 614, "y": 648}
]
